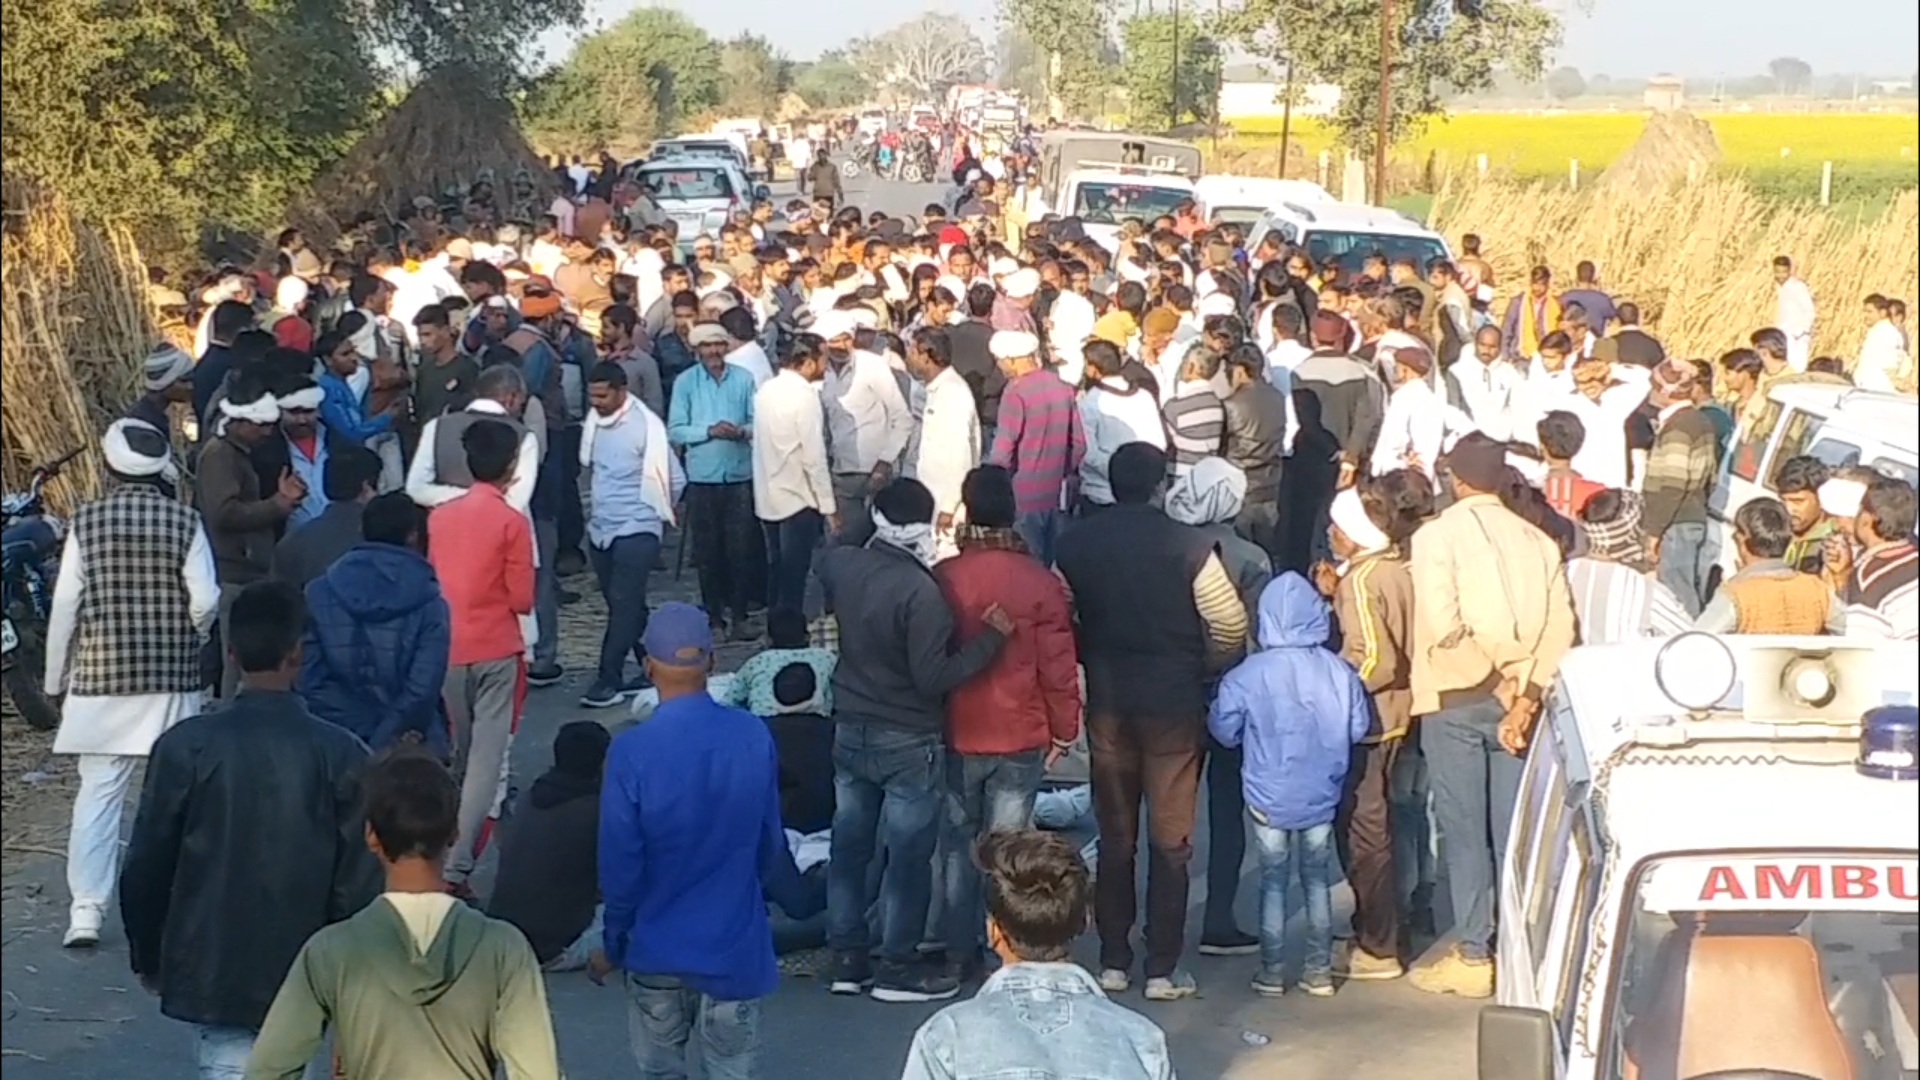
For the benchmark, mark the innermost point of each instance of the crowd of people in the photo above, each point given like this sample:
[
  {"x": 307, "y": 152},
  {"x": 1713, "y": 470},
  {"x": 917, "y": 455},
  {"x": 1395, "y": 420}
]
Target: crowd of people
[{"x": 1016, "y": 517}]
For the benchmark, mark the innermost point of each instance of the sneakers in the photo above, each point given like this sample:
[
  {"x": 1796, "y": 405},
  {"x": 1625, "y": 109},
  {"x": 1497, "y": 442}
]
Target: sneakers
[
  {"x": 83, "y": 929},
  {"x": 1115, "y": 981},
  {"x": 1356, "y": 964},
  {"x": 849, "y": 973},
  {"x": 1174, "y": 987},
  {"x": 602, "y": 696},
  {"x": 1270, "y": 982},
  {"x": 1235, "y": 942},
  {"x": 538, "y": 676},
  {"x": 1455, "y": 974},
  {"x": 1318, "y": 984},
  {"x": 636, "y": 686},
  {"x": 904, "y": 985}
]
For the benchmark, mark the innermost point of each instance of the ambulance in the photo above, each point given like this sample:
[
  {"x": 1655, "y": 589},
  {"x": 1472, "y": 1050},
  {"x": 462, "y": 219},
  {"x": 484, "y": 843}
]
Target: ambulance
[{"x": 1712, "y": 869}]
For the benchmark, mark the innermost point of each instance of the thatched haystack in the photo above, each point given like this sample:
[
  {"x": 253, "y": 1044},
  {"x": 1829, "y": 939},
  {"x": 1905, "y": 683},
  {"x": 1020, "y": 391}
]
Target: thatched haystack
[
  {"x": 78, "y": 323},
  {"x": 453, "y": 130},
  {"x": 1674, "y": 146}
]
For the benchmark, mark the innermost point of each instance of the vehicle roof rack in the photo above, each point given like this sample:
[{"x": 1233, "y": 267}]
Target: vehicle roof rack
[{"x": 1131, "y": 167}]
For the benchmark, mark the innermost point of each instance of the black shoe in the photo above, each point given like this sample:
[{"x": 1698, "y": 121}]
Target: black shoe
[
  {"x": 636, "y": 686},
  {"x": 909, "y": 984},
  {"x": 849, "y": 973},
  {"x": 538, "y": 676},
  {"x": 972, "y": 971},
  {"x": 602, "y": 696},
  {"x": 569, "y": 564},
  {"x": 1235, "y": 943}
]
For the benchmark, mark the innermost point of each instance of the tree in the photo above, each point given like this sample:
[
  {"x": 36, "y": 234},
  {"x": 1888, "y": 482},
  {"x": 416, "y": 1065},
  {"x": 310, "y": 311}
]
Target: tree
[
  {"x": 1440, "y": 48},
  {"x": 922, "y": 57},
  {"x": 753, "y": 75},
  {"x": 1156, "y": 74},
  {"x": 1073, "y": 36},
  {"x": 831, "y": 82},
  {"x": 1019, "y": 66},
  {"x": 1791, "y": 75},
  {"x": 485, "y": 34},
  {"x": 628, "y": 83},
  {"x": 1565, "y": 84}
]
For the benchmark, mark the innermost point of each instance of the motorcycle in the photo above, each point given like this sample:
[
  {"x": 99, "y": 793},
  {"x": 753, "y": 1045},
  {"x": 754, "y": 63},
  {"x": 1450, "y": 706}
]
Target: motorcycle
[{"x": 30, "y": 542}]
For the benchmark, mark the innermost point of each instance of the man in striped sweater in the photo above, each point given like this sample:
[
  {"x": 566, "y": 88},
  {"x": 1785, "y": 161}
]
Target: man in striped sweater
[
  {"x": 1883, "y": 592},
  {"x": 1682, "y": 466},
  {"x": 1196, "y": 417}
]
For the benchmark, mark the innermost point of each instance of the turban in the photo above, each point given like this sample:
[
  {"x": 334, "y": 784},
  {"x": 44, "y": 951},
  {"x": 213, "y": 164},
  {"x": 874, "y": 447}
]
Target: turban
[
  {"x": 1330, "y": 328},
  {"x": 1675, "y": 379},
  {"x": 540, "y": 305},
  {"x": 707, "y": 333},
  {"x": 165, "y": 365},
  {"x": 1002, "y": 266},
  {"x": 1218, "y": 303},
  {"x": 1350, "y": 515},
  {"x": 261, "y": 410},
  {"x": 1161, "y": 320},
  {"x": 833, "y": 324},
  {"x": 1841, "y": 498},
  {"x": 1022, "y": 283},
  {"x": 1013, "y": 345},
  {"x": 305, "y": 399},
  {"x": 865, "y": 318},
  {"x": 1621, "y": 539},
  {"x": 137, "y": 450},
  {"x": 290, "y": 293},
  {"x": 1212, "y": 491}
]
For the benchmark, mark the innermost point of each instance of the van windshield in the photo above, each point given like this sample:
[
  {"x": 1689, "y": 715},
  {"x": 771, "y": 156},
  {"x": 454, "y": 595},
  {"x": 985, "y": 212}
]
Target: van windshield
[
  {"x": 666, "y": 185},
  {"x": 1796, "y": 963},
  {"x": 1107, "y": 204},
  {"x": 1351, "y": 247},
  {"x": 1245, "y": 217}
]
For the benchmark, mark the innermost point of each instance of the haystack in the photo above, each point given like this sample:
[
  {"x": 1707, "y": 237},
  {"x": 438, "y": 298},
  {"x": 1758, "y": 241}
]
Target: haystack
[
  {"x": 78, "y": 324},
  {"x": 1675, "y": 145},
  {"x": 453, "y": 130}
]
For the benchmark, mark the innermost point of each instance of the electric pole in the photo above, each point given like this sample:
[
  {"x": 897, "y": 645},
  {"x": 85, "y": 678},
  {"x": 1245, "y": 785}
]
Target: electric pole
[
  {"x": 1173, "y": 79},
  {"x": 1386, "y": 104}
]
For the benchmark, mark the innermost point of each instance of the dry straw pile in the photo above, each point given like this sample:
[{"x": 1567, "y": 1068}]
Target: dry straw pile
[
  {"x": 1698, "y": 257},
  {"x": 77, "y": 326}
]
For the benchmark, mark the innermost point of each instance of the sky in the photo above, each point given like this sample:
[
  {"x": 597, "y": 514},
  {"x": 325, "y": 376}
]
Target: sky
[{"x": 1694, "y": 38}]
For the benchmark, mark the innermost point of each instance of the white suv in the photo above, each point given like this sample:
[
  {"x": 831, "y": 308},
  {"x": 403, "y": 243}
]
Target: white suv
[{"x": 1330, "y": 230}]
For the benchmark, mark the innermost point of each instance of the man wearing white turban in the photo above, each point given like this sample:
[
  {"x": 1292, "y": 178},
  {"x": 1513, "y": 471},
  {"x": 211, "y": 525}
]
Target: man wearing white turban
[
  {"x": 136, "y": 591},
  {"x": 164, "y": 375},
  {"x": 1013, "y": 308}
]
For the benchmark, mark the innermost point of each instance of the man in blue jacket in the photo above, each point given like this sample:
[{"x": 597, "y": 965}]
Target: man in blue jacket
[
  {"x": 691, "y": 845},
  {"x": 1297, "y": 709},
  {"x": 375, "y": 653}
]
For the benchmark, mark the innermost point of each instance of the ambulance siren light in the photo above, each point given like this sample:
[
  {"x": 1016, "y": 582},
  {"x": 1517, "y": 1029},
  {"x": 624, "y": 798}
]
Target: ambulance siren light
[{"x": 1890, "y": 743}]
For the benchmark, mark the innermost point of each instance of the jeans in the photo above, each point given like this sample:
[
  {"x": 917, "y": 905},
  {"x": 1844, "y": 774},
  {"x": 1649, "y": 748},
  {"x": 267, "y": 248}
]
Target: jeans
[
  {"x": 483, "y": 708},
  {"x": 1364, "y": 831},
  {"x": 1475, "y": 786},
  {"x": 1069, "y": 811},
  {"x": 662, "y": 1015},
  {"x": 221, "y": 1052},
  {"x": 726, "y": 547},
  {"x": 790, "y": 545},
  {"x": 850, "y": 494},
  {"x": 1226, "y": 839},
  {"x": 1410, "y": 795},
  {"x": 622, "y": 568},
  {"x": 1284, "y": 853},
  {"x": 886, "y": 789},
  {"x": 546, "y": 594},
  {"x": 1686, "y": 560},
  {"x": 985, "y": 793},
  {"x": 1155, "y": 760},
  {"x": 1040, "y": 530}
]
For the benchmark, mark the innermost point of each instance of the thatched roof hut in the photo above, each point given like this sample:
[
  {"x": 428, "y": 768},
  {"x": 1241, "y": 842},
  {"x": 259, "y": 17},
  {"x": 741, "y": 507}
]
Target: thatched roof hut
[{"x": 453, "y": 130}]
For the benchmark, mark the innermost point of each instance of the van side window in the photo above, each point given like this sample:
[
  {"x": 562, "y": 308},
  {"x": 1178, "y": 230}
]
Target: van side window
[
  {"x": 1583, "y": 880},
  {"x": 1795, "y": 432},
  {"x": 1548, "y": 860}
]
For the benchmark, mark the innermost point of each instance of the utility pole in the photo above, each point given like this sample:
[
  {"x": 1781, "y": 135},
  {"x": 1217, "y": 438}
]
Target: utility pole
[
  {"x": 1386, "y": 104},
  {"x": 1286, "y": 121},
  {"x": 1173, "y": 76}
]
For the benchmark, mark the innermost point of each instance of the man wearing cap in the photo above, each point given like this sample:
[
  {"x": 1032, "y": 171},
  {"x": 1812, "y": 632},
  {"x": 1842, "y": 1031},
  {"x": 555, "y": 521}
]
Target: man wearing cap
[
  {"x": 1013, "y": 308},
  {"x": 165, "y": 374},
  {"x": 1682, "y": 467},
  {"x": 868, "y": 422},
  {"x": 1494, "y": 619},
  {"x": 1415, "y": 426},
  {"x": 691, "y": 847},
  {"x": 1341, "y": 405},
  {"x": 1037, "y": 437},
  {"x": 711, "y": 419},
  {"x": 136, "y": 591}
]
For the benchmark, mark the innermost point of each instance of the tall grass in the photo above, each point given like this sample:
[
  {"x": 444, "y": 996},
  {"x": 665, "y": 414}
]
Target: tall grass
[{"x": 1698, "y": 257}]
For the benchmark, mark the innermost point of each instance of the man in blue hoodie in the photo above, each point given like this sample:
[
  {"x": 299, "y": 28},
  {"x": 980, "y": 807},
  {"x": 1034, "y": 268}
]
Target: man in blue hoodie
[
  {"x": 1296, "y": 709},
  {"x": 375, "y": 653},
  {"x": 691, "y": 846}
]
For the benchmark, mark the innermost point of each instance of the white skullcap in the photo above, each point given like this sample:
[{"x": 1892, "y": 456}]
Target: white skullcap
[
  {"x": 291, "y": 293},
  {"x": 1013, "y": 345},
  {"x": 1349, "y": 514},
  {"x": 865, "y": 318},
  {"x": 833, "y": 324},
  {"x": 707, "y": 333},
  {"x": 1841, "y": 498},
  {"x": 1022, "y": 283},
  {"x": 1216, "y": 304},
  {"x": 1002, "y": 266},
  {"x": 137, "y": 449},
  {"x": 165, "y": 365}
]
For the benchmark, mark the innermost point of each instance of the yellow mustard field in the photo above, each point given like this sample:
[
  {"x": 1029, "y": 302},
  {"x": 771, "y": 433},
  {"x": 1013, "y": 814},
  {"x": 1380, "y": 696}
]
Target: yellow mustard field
[{"x": 1541, "y": 144}]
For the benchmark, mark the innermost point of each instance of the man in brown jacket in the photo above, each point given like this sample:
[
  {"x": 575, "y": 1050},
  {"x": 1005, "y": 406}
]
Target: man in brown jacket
[
  {"x": 242, "y": 521},
  {"x": 1495, "y": 619},
  {"x": 1373, "y": 600}
]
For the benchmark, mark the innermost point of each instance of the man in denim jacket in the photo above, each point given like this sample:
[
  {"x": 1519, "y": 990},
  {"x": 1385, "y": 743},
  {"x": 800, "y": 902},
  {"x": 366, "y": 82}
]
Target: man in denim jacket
[{"x": 1040, "y": 1014}]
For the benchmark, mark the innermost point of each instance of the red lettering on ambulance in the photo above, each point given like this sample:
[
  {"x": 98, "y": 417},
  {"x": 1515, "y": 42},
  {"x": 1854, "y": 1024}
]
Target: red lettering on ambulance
[
  {"x": 1854, "y": 883},
  {"x": 1900, "y": 883},
  {"x": 1722, "y": 884},
  {"x": 1769, "y": 883}
]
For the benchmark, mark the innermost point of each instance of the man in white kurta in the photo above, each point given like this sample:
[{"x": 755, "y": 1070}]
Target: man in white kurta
[
  {"x": 1793, "y": 313},
  {"x": 949, "y": 443},
  {"x": 134, "y": 598}
]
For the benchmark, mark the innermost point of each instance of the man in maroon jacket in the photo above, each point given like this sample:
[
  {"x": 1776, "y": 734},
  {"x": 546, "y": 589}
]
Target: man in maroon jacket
[{"x": 1008, "y": 724}]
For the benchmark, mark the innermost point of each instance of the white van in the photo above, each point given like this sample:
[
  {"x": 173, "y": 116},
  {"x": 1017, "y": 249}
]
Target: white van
[
  {"x": 1335, "y": 230},
  {"x": 1712, "y": 872},
  {"x": 1240, "y": 200}
]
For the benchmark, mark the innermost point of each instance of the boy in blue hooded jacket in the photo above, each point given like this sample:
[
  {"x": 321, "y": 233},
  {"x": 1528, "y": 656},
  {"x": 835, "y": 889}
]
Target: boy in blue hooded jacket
[{"x": 1297, "y": 710}]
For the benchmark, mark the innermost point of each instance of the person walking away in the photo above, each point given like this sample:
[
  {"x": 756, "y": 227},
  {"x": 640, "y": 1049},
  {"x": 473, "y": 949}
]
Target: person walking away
[
  {"x": 691, "y": 845},
  {"x": 1297, "y": 709},
  {"x": 1798, "y": 481},
  {"x": 241, "y": 519},
  {"x": 1484, "y": 654},
  {"x": 482, "y": 552},
  {"x": 896, "y": 667},
  {"x": 949, "y": 444},
  {"x": 1261, "y": 429},
  {"x": 711, "y": 421},
  {"x": 547, "y": 882},
  {"x": 1630, "y": 344},
  {"x": 349, "y": 481},
  {"x": 1209, "y": 498},
  {"x": 374, "y": 658},
  {"x": 135, "y": 593},
  {"x": 416, "y": 983},
  {"x": 821, "y": 180},
  {"x": 1007, "y": 725},
  {"x": 1617, "y": 595},
  {"x": 1196, "y": 417},
  {"x": 793, "y": 492},
  {"x": 1883, "y": 581},
  {"x": 1561, "y": 435},
  {"x": 1373, "y": 603},
  {"x": 1341, "y": 404},
  {"x": 231, "y": 867},
  {"x": 1157, "y": 615},
  {"x": 1682, "y": 467},
  {"x": 1592, "y": 299},
  {"x": 637, "y": 481},
  {"x": 1415, "y": 426},
  {"x": 868, "y": 423},
  {"x": 1768, "y": 594},
  {"x": 1040, "y": 1011},
  {"x": 1793, "y": 313},
  {"x": 1038, "y": 437}
]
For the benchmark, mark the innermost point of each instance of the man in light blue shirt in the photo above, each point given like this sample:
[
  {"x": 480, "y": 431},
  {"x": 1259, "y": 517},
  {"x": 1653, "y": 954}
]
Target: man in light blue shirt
[
  {"x": 711, "y": 416},
  {"x": 636, "y": 481}
]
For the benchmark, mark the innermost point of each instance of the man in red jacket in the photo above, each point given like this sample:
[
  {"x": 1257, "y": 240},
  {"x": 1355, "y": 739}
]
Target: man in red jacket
[{"x": 1008, "y": 724}]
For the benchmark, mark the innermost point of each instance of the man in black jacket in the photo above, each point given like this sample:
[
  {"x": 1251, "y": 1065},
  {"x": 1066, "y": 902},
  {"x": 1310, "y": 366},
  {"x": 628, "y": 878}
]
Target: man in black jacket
[
  {"x": 349, "y": 480},
  {"x": 548, "y": 882},
  {"x": 1340, "y": 404},
  {"x": 249, "y": 839},
  {"x": 896, "y": 667},
  {"x": 1257, "y": 442},
  {"x": 974, "y": 360}
]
